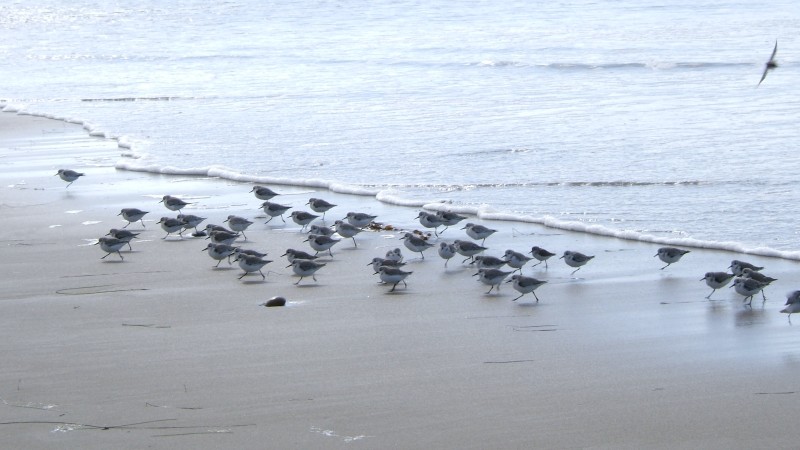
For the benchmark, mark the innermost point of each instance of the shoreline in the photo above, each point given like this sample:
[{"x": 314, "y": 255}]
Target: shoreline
[
  {"x": 130, "y": 162},
  {"x": 633, "y": 354}
]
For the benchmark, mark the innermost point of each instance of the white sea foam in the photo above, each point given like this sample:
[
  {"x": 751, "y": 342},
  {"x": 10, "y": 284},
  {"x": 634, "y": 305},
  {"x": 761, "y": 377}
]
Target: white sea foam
[
  {"x": 393, "y": 197},
  {"x": 343, "y": 188},
  {"x": 11, "y": 107}
]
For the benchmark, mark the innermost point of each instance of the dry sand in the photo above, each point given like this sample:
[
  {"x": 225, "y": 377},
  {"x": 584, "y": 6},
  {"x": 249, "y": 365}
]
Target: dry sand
[{"x": 161, "y": 350}]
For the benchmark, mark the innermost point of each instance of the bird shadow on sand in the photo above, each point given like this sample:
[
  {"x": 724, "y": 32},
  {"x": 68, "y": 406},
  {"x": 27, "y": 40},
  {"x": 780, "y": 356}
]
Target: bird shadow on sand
[
  {"x": 397, "y": 292},
  {"x": 450, "y": 272},
  {"x": 522, "y": 303},
  {"x": 308, "y": 285}
]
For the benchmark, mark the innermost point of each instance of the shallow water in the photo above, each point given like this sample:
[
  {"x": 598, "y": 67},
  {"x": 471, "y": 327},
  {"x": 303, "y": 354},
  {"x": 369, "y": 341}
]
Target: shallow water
[{"x": 639, "y": 120}]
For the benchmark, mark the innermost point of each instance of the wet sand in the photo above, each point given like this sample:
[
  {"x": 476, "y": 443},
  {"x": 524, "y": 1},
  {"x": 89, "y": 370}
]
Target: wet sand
[{"x": 163, "y": 350}]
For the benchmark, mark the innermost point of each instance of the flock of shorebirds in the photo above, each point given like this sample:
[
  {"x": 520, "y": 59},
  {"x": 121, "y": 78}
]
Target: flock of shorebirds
[{"x": 747, "y": 278}]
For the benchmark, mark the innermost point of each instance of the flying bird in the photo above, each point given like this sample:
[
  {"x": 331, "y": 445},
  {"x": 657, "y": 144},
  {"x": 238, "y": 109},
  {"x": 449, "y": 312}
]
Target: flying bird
[{"x": 771, "y": 64}]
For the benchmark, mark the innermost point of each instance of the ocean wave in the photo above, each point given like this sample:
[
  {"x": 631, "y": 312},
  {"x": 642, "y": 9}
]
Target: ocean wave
[
  {"x": 133, "y": 163},
  {"x": 651, "y": 65},
  {"x": 561, "y": 66},
  {"x": 490, "y": 63},
  {"x": 534, "y": 184},
  {"x": 136, "y": 99}
]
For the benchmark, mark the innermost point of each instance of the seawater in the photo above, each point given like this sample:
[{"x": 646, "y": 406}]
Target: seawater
[{"x": 635, "y": 119}]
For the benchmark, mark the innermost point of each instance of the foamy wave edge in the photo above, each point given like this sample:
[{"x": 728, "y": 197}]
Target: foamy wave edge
[
  {"x": 134, "y": 162},
  {"x": 631, "y": 235}
]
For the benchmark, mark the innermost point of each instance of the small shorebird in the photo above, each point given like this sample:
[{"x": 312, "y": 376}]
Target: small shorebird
[
  {"x": 478, "y": 232},
  {"x": 210, "y": 227},
  {"x": 449, "y": 219},
  {"x": 446, "y": 251},
  {"x": 670, "y": 255},
  {"x": 292, "y": 255},
  {"x": 792, "y": 304},
  {"x": 111, "y": 245},
  {"x": 322, "y": 243},
  {"x": 219, "y": 252},
  {"x": 488, "y": 262},
  {"x": 492, "y": 277},
  {"x": 69, "y": 176},
  {"x": 274, "y": 210},
  {"x": 515, "y": 260},
  {"x": 737, "y": 267},
  {"x": 716, "y": 280},
  {"x": 238, "y": 224},
  {"x": 263, "y": 193},
  {"x": 467, "y": 248},
  {"x": 541, "y": 255},
  {"x": 575, "y": 259},
  {"x": 393, "y": 275},
  {"x": 302, "y": 218},
  {"x": 429, "y": 220},
  {"x": 360, "y": 219},
  {"x": 747, "y": 287},
  {"x": 123, "y": 235},
  {"x": 191, "y": 221},
  {"x": 171, "y": 225},
  {"x": 249, "y": 252},
  {"x": 172, "y": 203},
  {"x": 377, "y": 263},
  {"x": 525, "y": 285},
  {"x": 770, "y": 65},
  {"x": 756, "y": 275},
  {"x": 319, "y": 205},
  {"x": 305, "y": 268},
  {"x": 321, "y": 230},
  {"x": 347, "y": 230},
  {"x": 132, "y": 215},
  {"x": 394, "y": 255},
  {"x": 222, "y": 237},
  {"x": 760, "y": 277},
  {"x": 251, "y": 264},
  {"x": 416, "y": 244}
]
